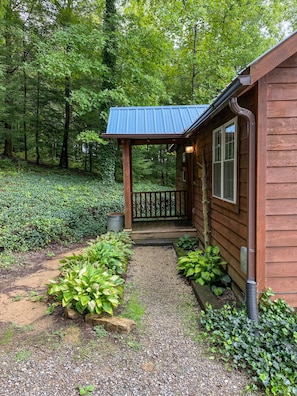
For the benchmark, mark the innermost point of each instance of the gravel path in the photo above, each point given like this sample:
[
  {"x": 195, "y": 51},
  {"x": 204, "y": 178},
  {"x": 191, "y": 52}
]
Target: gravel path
[{"x": 161, "y": 358}]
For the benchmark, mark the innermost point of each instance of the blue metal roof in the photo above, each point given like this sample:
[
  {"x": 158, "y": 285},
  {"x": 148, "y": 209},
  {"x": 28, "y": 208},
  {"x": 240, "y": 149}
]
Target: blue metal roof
[{"x": 152, "y": 120}]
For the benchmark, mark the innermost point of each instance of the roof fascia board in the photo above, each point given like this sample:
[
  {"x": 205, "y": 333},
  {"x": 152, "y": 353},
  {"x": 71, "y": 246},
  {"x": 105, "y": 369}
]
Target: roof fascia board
[
  {"x": 273, "y": 57},
  {"x": 143, "y": 136}
]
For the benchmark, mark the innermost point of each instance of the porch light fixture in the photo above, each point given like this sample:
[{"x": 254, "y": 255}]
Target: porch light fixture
[{"x": 189, "y": 149}]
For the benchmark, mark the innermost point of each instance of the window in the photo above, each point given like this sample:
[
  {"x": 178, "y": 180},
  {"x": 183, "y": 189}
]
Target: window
[{"x": 224, "y": 161}]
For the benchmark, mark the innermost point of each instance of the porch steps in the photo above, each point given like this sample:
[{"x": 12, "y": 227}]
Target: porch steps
[{"x": 164, "y": 233}]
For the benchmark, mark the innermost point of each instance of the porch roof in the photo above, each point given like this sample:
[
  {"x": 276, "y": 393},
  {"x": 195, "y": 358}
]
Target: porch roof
[{"x": 151, "y": 122}]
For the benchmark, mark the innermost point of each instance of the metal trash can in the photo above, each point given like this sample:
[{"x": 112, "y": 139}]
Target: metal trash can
[{"x": 115, "y": 221}]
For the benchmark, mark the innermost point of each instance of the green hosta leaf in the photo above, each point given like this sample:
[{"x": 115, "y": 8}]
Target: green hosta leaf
[
  {"x": 205, "y": 275},
  {"x": 200, "y": 281},
  {"x": 82, "y": 272},
  {"x": 107, "y": 307},
  {"x": 84, "y": 300},
  {"x": 67, "y": 298},
  {"x": 190, "y": 272},
  {"x": 107, "y": 292},
  {"x": 79, "y": 308},
  {"x": 98, "y": 309},
  {"x": 217, "y": 291},
  {"x": 217, "y": 271},
  {"x": 92, "y": 305},
  {"x": 114, "y": 301},
  {"x": 54, "y": 289},
  {"x": 98, "y": 303}
]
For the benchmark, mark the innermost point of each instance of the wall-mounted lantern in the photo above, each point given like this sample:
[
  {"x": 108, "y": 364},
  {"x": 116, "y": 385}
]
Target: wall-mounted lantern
[{"x": 189, "y": 149}]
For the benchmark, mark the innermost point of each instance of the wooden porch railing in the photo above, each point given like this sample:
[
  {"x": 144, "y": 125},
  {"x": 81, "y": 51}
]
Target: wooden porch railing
[{"x": 159, "y": 204}]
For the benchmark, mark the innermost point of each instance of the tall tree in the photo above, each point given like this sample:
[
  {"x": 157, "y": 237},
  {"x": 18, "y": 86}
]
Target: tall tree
[
  {"x": 70, "y": 58},
  {"x": 109, "y": 59},
  {"x": 11, "y": 59}
]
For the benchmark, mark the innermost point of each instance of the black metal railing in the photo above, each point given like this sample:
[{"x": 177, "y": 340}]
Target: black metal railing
[{"x": 159, "y": 204}]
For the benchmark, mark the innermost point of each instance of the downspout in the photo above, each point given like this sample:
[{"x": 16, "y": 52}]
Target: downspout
[{"x": 251, "y": 285}]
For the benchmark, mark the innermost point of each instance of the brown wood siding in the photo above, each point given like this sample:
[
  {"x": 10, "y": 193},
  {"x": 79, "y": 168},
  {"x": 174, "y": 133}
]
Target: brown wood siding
[
  {"x": 281, "y": 179},
  {"x": 227, "y": 221},
  {"x": 261, "y": 185}
]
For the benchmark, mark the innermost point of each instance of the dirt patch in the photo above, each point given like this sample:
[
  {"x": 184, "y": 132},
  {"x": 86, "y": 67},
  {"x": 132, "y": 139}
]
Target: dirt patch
[{"x": 23, "y": 299}]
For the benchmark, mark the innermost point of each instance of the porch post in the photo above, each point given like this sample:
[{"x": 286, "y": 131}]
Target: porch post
[{"x": 127, "y": 173}]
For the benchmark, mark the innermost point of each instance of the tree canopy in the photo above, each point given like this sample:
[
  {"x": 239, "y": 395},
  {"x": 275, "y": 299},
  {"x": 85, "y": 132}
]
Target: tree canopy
[{"x": 63, "y": 63}]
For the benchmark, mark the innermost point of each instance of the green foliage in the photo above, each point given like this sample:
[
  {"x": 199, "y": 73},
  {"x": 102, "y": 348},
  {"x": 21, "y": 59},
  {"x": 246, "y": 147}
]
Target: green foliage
[
  {"x": 267, "y": 350},
  {"x": 154, "y": 163},
  {"x": 88, "y": 289},
  {"x": 90, "y": 137},
  {"x": 110, "y": 251},
  {"x": 7, "y": 336},
  {"x": 23, "y": 355},
  {"x": 133, "y": 309},
  {"x": 119, "y": 54},
  {"x": 100, "y": 331},
  {"x": 91, "y": 282},
  {"x": 42, "y": 208},
  {"x": 186, "y": 242},
  {"x": 204, "y": 268},
  {"x": 86, "y": 390}
]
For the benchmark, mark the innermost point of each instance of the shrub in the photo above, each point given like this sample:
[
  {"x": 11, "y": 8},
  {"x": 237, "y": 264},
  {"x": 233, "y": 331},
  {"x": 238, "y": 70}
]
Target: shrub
[
  {"x": 268, "y": 349},
  {"x": 88, "y": 289},
  {"x": 204, "y": 268},
  {"x": 90, "y": 281},
  {"x": 186, "y": 242},
  {"x": 110, "y": 251}
]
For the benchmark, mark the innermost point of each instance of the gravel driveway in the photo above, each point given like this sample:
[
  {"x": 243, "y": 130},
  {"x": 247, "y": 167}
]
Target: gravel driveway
[{"x": 162, "y": 357}]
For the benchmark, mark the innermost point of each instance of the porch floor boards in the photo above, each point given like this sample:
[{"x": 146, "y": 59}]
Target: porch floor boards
[{"x": 161, "y": 232}]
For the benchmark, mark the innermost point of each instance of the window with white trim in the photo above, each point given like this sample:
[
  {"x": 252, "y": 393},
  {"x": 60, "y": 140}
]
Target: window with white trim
[{"x": 224, "y": 180}]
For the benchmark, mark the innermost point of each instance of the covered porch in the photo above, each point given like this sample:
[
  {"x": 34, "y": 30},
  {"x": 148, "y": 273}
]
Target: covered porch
[{"x": 154, "y": 216}]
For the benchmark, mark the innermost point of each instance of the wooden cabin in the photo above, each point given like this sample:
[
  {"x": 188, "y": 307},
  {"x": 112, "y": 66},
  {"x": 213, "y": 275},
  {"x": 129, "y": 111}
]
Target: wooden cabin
[
  {"x": 237, "y": 162},
  {"x": 246, "y": 143}
]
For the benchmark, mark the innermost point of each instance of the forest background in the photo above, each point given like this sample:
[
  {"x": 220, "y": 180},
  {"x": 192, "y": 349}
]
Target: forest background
[{"x": 64, "y": 63}]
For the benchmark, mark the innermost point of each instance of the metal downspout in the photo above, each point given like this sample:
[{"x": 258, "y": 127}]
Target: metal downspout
[{"x": 251, "y": 286}]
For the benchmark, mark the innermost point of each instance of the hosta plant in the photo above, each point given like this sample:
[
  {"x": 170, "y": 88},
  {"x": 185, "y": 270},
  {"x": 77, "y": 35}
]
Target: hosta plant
[
  {"x": 205, "y": 268},
  {"x": 88, "y": 289},
  {"x": 110, "y": 251},
  {"x": 186, "y": 242}
]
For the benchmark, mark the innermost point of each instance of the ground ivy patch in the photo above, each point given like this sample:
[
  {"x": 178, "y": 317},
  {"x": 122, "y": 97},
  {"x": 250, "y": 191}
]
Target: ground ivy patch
[
  {"x": 43, "y": 208},
  {"x": 267, "y": 350}
]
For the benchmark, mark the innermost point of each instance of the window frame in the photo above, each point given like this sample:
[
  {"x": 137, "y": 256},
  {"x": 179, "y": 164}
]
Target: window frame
[{"x": 219, "y": 161}]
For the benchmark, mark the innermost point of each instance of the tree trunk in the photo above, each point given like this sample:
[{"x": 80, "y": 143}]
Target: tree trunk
[
  {"x": 25, "y": 115},
  {"x": 107, "y": 153},
  {"x": 37, "y": 120},
  {"x": 7, "y": 141},
  {"x": 64, "y": 153}
]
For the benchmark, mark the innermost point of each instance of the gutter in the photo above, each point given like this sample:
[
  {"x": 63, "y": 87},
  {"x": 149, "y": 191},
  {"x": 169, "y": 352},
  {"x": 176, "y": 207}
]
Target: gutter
[{"x": 251, "y": 286}]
